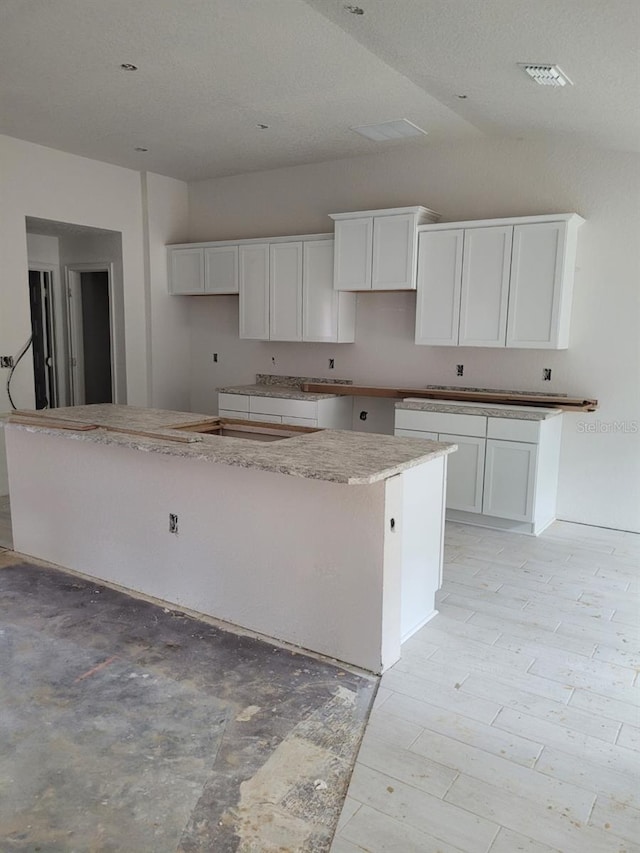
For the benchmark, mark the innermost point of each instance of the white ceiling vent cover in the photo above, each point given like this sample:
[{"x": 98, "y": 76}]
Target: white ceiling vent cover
[
  {"x": 401, "y": 129},
  {"x": 545, "y": 75}
]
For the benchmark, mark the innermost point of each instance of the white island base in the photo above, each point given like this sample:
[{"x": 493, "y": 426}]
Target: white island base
[{"x": 348, "y": 571}]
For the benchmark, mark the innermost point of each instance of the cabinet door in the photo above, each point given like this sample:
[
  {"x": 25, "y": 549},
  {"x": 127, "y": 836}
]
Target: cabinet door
[
  {"x": 486, "y": 263},
  {"x": 439, "y": 284},
  {"x": 285, "y": 306},
  {"x": 394, "y": 253},
  {"x": 253, "y": 264},
  {"x": 509, "y": 479},
  {"x": 221, "y": 269},
  {"x": 536, "y": 284},
  {"x": 319, "y": 298},
  {"x": 353, "y": 247},
  {"x": 465, "y": 472},
  {"x": 186, "y": 271}
]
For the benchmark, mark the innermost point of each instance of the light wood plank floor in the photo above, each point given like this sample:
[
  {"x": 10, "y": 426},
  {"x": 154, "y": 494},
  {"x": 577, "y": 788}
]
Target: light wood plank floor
[{"x": 512, "y": 722}]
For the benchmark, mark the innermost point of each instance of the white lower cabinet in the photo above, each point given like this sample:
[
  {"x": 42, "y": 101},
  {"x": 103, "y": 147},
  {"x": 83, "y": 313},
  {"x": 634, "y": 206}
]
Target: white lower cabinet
[
  {"x": 328, "y": 413},
  {"x": 505, "y": 471},
  {"x": 464, "y": 472},
  {"x": 509, "y": 479}
]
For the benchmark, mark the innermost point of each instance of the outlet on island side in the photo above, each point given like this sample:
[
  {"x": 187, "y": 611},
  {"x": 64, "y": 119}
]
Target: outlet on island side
[
  {"x": 215, "y": 358},
  {"x": 332, "y": 363},
  {"x": 173, "y": 523},
  {"x": 546, "y": 374},
  {"x": 459, "y": 369}
]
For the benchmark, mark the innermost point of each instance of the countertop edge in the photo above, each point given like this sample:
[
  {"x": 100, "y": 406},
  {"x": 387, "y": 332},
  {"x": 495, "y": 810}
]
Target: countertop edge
[{"x": 204, "y": 452}]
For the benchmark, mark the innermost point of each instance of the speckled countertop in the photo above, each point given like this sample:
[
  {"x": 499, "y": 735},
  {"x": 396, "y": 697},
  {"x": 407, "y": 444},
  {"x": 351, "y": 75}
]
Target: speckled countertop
[
  {"x": 288, "y": 392},
  {"x": 337, "y": 456},
  {"x": 521, "y": 413}
]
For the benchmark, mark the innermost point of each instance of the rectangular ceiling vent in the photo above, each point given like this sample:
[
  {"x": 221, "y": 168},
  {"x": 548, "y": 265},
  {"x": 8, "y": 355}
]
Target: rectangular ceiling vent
[
  {"x": 388, "y": 130},
  {"x": 545, "y": 75}
]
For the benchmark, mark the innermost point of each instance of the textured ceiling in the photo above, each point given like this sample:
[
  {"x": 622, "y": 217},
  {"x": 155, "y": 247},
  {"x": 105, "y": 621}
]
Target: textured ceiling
[{"x": 209, "y": 72}]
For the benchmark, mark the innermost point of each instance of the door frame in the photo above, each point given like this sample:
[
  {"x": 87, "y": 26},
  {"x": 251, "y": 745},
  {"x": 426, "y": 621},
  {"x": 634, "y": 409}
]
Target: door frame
[
  {"x": 57, "y": 338},
  {"x": 72, "y": 277}
]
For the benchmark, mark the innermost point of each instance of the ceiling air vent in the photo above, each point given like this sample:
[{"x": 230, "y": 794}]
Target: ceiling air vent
[
  {"x": 401, "y": 129},
  {"x": 545, "y": 75}
]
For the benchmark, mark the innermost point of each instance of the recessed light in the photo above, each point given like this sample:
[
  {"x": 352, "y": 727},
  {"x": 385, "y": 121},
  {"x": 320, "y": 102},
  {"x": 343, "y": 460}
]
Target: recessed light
[
  {"x": 140, "y": 148},
  {"x": 389, "y": 130},
  {"x": 262, "y": 126},
  {"x": 127, "y": 66},
  {"x": 545, "y": 75},
  {"x": 354, "y": 10}
]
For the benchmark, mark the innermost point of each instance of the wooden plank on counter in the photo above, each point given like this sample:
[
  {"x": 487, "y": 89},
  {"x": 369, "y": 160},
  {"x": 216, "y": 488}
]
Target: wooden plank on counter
[
  {"x": 570, "y": 404},
  {"x": 31, "y": 419},
  {"x": 160, "y": 434}
]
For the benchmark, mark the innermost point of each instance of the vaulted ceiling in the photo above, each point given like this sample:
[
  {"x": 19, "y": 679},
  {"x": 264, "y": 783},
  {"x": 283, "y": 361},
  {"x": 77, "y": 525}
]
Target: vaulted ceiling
[{"x": 209, "y": 73}]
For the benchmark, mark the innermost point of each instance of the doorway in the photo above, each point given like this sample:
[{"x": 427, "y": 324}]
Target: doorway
[
  {"x": 41, "y": 304},
  {"x": 90, "y": 312}
]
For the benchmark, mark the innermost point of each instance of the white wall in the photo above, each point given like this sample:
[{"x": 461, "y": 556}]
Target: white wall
[
  {"x": 600, "y": 470},
  {"x": 49, "y": 184},
  {"x": 170, "y": 345}
]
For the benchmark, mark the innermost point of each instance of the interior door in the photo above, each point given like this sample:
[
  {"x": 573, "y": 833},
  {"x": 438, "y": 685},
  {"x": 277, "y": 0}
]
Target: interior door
[{"x": 90, "y": 335}]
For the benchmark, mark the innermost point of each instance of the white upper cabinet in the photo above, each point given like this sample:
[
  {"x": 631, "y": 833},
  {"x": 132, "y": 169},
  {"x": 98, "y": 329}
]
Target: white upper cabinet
[
  {"x": 285, "y": 314},
  {"x": 353, "y": 246},
  {"x": 439, "y": 284},
  {"x": 541, "y": 286},
  {"x": 221, "y": 269},
  {"x": 327, "y": 314},
  {"x": 186, "y": 270},
  {"x": 485, "y": 287},
  {"x": 394, "y": 253},
  {"x": 377, "y": 249},
  {"x": 254, "y": 291},
  {"x": 513, "y": 279},
  {"x": 287, "y": 294}
]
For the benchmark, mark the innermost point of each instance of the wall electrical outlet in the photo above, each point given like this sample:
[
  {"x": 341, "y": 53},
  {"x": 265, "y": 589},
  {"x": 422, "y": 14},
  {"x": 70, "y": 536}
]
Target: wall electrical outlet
[
  {"x": 173, "y": 523},
  {"x": 215, "y": 358},
  {"x": 459, "y": 369},
  {"x": 332, "y": 363},
  {"x": 546, "y": 374},
  {"x": 6, "y": 361}
]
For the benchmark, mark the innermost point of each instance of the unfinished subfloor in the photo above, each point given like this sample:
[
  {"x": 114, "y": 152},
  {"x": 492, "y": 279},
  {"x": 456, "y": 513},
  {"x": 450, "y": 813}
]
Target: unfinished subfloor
[{"x": 125, "y": 726}]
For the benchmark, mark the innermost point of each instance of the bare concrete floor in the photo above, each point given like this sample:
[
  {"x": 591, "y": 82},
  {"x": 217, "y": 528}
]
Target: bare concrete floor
[
  {"x": 125, "y": 726},
  {"x": 6, "y": 536}
]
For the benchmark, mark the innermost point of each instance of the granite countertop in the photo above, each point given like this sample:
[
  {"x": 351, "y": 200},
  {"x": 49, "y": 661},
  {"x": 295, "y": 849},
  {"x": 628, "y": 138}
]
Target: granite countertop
[
  {"x": 521, "y": 413},
  {"x": 337, "y": 456},
  {"x": 288, "y": 392}
]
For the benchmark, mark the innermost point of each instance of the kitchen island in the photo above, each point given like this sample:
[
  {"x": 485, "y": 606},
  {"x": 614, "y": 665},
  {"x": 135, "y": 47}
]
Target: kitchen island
[{"x": 330, "y": 540}]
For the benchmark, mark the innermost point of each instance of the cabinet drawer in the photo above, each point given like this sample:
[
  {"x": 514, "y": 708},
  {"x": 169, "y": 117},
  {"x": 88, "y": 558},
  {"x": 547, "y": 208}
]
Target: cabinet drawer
[
  {"x": 229, "y": 413},
  {"x": 513, "y": 430},
  {"x": 307, "y": 422},
  {"x": 441, "y": 422},
  {"x": 235, "y": 402},
  {"x": 282, "y": 406},
  {"x": 415, "y": 433},
  {"x": 265, "y": 419}
]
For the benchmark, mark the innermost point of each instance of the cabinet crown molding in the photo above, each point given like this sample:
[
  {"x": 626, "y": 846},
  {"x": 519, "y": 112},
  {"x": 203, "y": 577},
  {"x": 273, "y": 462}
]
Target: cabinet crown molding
[{"x": 573, "y": 219}]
